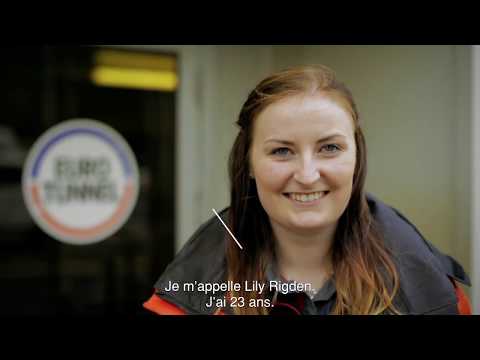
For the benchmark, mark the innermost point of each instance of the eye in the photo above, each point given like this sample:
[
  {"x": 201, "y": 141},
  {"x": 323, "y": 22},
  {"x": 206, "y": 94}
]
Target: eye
[
  {"x": 281, "y": 151},
  {"x": 330, "y": 148}
]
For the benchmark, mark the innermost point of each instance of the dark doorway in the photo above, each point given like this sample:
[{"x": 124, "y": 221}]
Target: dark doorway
[{"x": 39, "y": 275}]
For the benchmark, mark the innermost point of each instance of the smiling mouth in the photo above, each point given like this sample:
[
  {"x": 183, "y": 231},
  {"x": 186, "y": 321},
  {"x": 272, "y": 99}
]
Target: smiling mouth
[{"x": 306, "y": 197}]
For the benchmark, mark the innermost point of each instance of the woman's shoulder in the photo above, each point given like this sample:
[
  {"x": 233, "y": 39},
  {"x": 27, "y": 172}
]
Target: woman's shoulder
[
  {"x": 404, "y": 238},
  {"x": 201, "y": 260},
  {"x": 429, "y": 278}
]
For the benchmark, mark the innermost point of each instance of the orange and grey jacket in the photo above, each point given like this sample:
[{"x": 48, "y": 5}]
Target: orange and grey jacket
[{"x": 429, "y": 279}]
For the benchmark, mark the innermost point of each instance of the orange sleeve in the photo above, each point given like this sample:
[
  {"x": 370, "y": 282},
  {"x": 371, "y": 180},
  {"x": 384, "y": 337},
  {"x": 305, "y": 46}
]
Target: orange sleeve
[
  {"x": 464, "y": 307},
  {"x": 162, "y": 307}
]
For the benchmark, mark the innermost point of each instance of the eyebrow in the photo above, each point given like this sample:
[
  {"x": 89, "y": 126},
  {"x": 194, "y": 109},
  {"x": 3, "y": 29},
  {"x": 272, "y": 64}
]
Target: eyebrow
[{"x": 326, "y": 138}]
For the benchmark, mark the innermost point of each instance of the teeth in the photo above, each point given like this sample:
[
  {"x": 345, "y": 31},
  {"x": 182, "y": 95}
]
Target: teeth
[{"x": 307, "y": 197}]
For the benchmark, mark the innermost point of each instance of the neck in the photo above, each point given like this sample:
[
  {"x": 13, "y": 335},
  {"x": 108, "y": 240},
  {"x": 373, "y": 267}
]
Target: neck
[{"x": 303, "y": 256}]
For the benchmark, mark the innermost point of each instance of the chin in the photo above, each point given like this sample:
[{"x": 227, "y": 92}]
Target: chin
[{"x": 309, "y": 222}]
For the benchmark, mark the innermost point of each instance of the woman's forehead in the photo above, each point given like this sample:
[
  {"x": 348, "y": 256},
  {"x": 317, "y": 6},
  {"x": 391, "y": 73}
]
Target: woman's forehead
[{"x": 303, "y": 114}]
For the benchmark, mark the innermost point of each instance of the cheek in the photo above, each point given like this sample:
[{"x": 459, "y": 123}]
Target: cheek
[
  {"x": 271, "y": 176},
  {"x": 340, "y": 173}
]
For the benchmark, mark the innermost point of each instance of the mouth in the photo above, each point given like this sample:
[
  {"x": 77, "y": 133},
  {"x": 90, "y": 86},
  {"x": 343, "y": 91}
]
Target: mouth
[{"x": 306, "y": 198}]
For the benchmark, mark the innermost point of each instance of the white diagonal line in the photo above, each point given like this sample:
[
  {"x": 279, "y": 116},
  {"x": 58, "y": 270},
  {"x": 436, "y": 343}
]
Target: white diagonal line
[{"x": 226, "y": 227}]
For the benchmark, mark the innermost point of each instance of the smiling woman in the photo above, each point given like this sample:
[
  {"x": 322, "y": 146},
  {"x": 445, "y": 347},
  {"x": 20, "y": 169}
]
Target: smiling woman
[
  {"x": 303, "y": 160},
  {"x": 299, "y": 209}
]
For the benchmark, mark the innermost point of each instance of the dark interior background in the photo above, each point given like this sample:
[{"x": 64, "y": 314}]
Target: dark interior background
[{"x": 40, "y": 276}]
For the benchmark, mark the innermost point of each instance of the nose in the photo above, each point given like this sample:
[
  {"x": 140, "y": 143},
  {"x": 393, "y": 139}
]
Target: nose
[{"x": 307, "y": 172}]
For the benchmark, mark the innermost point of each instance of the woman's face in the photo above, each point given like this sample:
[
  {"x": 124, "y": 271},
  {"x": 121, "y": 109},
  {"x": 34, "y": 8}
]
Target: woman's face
[{"x": 303, "y": 160}]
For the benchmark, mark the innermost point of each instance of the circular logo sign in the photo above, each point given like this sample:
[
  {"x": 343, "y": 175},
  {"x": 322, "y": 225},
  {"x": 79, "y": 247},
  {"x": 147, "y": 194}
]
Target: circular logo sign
[{"x": 80, "y": 181}]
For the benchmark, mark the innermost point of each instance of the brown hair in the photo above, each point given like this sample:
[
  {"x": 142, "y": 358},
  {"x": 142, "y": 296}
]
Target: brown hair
[{"x": 365, "y": 277}]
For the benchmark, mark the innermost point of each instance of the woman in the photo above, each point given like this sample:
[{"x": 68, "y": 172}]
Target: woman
[{"x": 299, "y": 210}]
